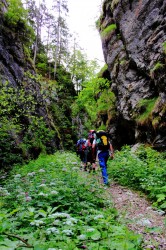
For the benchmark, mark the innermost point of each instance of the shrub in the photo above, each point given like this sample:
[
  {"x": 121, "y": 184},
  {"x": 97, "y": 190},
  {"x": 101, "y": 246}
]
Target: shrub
[{"x": 143, "y": 170}]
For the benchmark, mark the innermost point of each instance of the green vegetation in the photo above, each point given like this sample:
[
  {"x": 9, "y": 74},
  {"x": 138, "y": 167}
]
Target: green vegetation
[
  {"x": 106, "y": 101},
  {"x": 16, "y": 19},
  {"x": 22, "y": 130},
  {"x": 102, "y": 70},
  {"x": 95, "y": 99},
  {"x": 146, "y": 107},
  {"x": 164, "y": 47},
  {"x": 123, "y": 61},
  {"x": 157, "y": 66},
  {"x": 143, "y": 170},
  {"x": 108, "y": 30},
  {"x": 36, "y": 108},
  {"x": 51, "y": 204},
  {"x": 16, "y": 14}
]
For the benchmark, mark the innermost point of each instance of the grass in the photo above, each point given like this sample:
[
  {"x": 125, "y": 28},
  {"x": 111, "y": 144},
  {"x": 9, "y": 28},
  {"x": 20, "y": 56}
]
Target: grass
[
  {"x": 108, "y": 30},
  {"x": 148, "y": 105}
]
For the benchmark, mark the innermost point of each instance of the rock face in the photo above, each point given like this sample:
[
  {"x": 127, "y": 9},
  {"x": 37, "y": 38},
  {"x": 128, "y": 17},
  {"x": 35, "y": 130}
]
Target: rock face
[
  {"x": 11, "y": 53},
  {"x": 133, "y": 37},
  {"x": 23, "y": 108}
]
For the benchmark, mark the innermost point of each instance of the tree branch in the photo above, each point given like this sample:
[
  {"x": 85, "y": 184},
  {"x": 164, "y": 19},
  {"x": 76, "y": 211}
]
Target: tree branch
[{"x": 19, "y": 238}]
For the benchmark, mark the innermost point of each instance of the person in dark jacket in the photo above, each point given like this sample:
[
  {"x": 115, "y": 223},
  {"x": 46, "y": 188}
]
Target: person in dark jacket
[
  {"x": 80, "y": 149},
  {"x": 90, "y": 154},
  {"x": 103, "y": 153}
]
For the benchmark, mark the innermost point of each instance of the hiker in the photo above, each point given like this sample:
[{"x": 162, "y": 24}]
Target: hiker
[
  {"x": 104, "y": 151},
  {"x": 90, "y": 153},
  {"x": 80, "y": 148}
]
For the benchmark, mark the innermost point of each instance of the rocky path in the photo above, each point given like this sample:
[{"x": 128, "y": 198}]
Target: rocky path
[
  {"x": 136, "y": 212},
  {"x": 139, "y": 216}
]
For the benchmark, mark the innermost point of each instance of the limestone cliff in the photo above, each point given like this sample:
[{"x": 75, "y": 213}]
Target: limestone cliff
[{"x": 133, "y": 37}]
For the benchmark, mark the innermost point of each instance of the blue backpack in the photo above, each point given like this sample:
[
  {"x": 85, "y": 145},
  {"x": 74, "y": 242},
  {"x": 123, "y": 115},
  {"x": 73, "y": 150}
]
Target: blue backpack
[{"x": 81, "y": 144}]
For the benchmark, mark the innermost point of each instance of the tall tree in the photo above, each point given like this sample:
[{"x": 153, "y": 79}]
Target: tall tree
[
  {"x": 80, "y": 67},
  {"x": 36, "y": 18},
  {"x": 60, "y": 31}
]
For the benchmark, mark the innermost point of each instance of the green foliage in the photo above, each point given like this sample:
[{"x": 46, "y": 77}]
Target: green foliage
[
  {"x": 164, "y": 47},
  {"x": 77, "y": 107},
  {"x": 60, "y": 95},
  {"x": 16, "y": 19},
  {"x": 102, "y": 127},
  {"x": 42, "y": 65},
  {"x": 27, "y": 54},
  {"x": 10, "y": 152},
  {"x": 98, "y": 22},
  {"x": 94, "y": 99},
  {"x": 16, "y": 14},
  {"x": 143, "y": 170},
  {"x": 146, "y": 107},
  {"x": 122, "y": 61},
  {"x": 22, "y": 130},
  {"x": 87, "y": 99},
  {"x": 106, "y": 101},
  {"x": 156, "y": 121},
  {"x": 103, "y": 69},
  {"x": 157, "y": 66},
  {"x": 81, "y": 69},
  {"x": 108, "y": 30},
  {"x": 51, "y": 204}
]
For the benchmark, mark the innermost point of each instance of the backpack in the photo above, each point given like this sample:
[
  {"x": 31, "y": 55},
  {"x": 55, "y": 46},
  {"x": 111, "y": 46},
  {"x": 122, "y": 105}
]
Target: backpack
[
  {"x": 89, "y": 146},
  {"x": 102, "y": 140},
  {"x": 91, "y": 135},
  {"x": 81, "y": 145}
]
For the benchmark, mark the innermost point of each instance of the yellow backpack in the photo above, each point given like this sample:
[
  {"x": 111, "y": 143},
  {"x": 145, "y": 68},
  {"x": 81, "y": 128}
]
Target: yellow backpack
[{"x": 102, "y": 140}]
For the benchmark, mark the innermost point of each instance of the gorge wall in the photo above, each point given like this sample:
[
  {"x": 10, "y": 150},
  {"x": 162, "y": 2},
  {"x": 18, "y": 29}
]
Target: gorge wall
[
  {"x": 133, "y": 35},
  {"x": 31, "y": 110}
]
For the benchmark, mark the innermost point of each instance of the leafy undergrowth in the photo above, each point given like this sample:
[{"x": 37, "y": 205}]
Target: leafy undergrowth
[
  {"x": 50, "y": 204},
  {"x": 143, "y": 170}
]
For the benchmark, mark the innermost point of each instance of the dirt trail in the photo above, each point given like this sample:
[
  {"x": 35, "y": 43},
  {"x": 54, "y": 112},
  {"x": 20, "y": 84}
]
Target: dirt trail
[
  {"x": 136, "y": 212},
  {"x": 139, "y": 216}
]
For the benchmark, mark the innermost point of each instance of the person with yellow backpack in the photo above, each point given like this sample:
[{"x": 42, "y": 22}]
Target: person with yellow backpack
[{"x": 105, "y": 150}]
